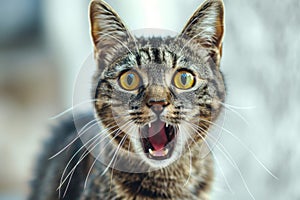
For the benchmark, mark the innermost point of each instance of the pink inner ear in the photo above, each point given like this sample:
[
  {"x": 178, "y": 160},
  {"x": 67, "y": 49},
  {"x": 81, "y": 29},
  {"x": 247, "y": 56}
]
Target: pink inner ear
[{"x": 158, "y": 137}]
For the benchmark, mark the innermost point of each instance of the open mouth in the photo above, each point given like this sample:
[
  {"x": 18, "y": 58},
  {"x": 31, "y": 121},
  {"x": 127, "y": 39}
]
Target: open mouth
[{"x": 158, "y": 140}]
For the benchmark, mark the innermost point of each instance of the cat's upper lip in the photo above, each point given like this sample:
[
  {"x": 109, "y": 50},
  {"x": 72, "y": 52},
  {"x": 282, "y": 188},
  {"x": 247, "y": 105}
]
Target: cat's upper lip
[{"x": 158, "y": 139}]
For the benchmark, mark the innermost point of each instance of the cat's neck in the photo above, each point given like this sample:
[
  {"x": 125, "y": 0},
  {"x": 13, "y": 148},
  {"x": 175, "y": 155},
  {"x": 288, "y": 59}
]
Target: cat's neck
[{"x": 184, "y": 179}]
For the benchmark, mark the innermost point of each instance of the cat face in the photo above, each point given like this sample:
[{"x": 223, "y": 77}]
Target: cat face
[{"x": 158, "y": 96}]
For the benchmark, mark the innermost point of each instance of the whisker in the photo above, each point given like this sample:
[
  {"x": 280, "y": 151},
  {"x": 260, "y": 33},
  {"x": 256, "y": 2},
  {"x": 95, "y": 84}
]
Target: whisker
[
  {"x": 235, "y": 112},
  {"x": 116, "y": 135},
  {"x": 238, "y": 107},
  {"x": 82, "y": 156},
  {"x": 118, "y": 148},
  {"x": 223, "y": 174},
  {"x": 244, "y": 146},
  {"x": 85, "y": 153},
  {"x": 217, "y": 161},
  {"x": 87, "y": 148},
  {"x": 190, "y": 159},
  {"x": 220, "y": 130},
  {"x": 112, "y": 169},
  {"x": 216, "y": 141},
  {"x": 235, "y": 166},
  {"x": 197, "y": 129},
  {"x": 71, "y": 108},
  {"x": 80, "y": 133},
  {"x": 94, "y": 162}
]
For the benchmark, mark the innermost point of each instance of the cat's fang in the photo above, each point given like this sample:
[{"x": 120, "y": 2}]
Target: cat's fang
[
  {"x": 149, "y": 125},
  {"x": 167, "y": 125}
]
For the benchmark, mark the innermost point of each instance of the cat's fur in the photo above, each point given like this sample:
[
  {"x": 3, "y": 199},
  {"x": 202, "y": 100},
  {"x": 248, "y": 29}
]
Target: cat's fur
[{"x": 187, "y": 173}]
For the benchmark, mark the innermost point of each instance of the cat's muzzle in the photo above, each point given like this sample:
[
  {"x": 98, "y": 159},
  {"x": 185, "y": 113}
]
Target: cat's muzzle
[{"x": 158, "y": 139}]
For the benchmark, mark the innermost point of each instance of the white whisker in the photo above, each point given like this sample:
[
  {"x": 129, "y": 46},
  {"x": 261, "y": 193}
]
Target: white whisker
[
  {"x": 244, "y": 146},
  {"x": 238, "y": 107},
  {"x": 112, "y": 172},
  {"x": 235, "y": 112},
  {"x": 71, "y": 108},
  {"x": 86, "y": 152},
  {"x": 190, "y": 161},
  {"x": 118, "y": 148},
  {"x": 118, "y": 132},
  {"x": 235, "y": 166},
  {"x": 193, "y": 126},
  {"x": 81, "y": 132}
]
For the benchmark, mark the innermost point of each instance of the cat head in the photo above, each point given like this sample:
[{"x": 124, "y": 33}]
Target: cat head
[{"x": 157, "y": 96}]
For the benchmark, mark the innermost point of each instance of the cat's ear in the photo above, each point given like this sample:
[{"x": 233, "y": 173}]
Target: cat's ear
[
  {"x": 107, "y": 29},
  {"x": 206, "y": 26}
]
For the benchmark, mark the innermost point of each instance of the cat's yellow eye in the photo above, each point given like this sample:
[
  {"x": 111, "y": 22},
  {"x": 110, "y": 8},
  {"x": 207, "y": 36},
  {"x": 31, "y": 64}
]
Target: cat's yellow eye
[
  {"x": 130, "y": 80},
  {"x": 184, "y": 80}
]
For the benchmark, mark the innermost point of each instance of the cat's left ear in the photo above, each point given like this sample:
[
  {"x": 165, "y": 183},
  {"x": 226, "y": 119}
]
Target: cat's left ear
[{"x": 206, "y": 26}]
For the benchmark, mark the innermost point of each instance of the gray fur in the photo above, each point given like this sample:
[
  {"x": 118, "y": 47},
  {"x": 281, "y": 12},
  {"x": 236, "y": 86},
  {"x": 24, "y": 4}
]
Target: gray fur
[{"x": 188, "y": 173}]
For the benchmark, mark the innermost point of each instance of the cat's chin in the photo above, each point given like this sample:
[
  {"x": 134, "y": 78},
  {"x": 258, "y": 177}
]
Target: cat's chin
[{"x": 156, "y": 163}]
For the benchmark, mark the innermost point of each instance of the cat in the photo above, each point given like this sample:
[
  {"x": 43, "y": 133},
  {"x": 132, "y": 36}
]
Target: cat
[{"x": 155, "y": 100}]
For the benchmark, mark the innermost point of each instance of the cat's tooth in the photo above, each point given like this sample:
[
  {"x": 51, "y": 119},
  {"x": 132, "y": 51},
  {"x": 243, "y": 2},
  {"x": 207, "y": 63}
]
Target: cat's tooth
[
  {"x": 149, "y": 125},
  {"x": 166, "y": 151},
  {"x": 167, "y": 125},
  {"x": 150, "y": 151}
]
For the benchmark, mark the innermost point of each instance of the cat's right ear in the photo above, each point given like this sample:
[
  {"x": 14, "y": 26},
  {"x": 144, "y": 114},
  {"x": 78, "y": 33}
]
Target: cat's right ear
[
  {"x": 107, "y": 29},
  {"x": 206, "y": 27}
]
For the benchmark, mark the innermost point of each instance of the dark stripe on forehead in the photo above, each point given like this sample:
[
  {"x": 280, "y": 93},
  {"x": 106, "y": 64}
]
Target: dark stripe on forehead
[
  {"x": 138, "y": 59},
  {"x": 156, "y": 55},
  {"x": 163, "y": 56},
  {"x": 174, "y": 60}
]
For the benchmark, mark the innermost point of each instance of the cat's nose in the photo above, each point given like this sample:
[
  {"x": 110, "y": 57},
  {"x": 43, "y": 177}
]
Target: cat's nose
[{"x": 157, "y": 106}]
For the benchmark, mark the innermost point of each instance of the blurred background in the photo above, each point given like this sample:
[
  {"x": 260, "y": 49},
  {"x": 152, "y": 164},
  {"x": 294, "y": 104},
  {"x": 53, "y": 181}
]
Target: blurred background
[{"x": 43, "y": 44}]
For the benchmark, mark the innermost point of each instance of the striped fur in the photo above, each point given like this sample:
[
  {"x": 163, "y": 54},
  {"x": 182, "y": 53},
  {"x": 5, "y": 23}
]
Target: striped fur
[{"x": 197, "y": 49}]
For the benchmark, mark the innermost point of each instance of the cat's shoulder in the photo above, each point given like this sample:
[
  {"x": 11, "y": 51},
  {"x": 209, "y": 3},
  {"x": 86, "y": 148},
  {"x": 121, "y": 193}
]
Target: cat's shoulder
[{"x": 57, "y": 150}]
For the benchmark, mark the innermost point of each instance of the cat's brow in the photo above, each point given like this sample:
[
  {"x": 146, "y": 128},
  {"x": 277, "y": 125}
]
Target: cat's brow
[{"x": 158, "y": 55}]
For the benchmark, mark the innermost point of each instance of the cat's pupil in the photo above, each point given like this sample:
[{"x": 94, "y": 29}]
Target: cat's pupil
[
  {"x": 183, "y": 79},
  {"x": 130, "y": 78}
]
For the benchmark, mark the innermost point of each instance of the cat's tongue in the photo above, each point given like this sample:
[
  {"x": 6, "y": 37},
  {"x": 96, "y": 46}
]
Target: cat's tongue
[{"x": 157, "y": 135}]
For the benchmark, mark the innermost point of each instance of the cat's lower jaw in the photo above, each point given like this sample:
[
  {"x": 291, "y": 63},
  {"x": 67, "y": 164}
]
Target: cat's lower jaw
[{"x": 178, "y": 181}]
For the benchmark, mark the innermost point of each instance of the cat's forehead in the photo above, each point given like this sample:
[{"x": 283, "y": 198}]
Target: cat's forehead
[
  {"x": 158, "y": 54},
  {"x": 167, "y": 51}
]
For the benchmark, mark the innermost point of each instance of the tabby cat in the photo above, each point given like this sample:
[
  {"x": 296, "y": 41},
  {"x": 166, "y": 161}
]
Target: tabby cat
[{"x": 155, "y": 100}]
